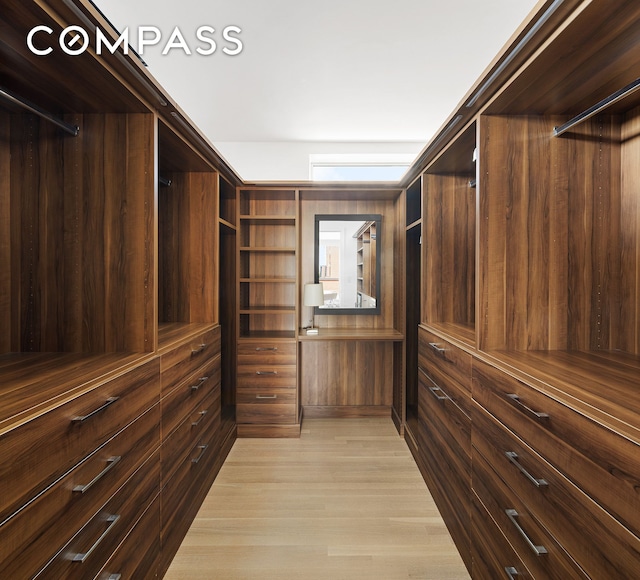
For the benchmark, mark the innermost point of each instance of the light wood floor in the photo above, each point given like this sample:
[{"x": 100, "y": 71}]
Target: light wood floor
[{"x": 345, "y": 501}]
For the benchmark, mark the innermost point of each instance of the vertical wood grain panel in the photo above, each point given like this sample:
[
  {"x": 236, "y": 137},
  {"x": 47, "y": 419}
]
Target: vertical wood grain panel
[
  {"x": 626, "y": 318},
  {"x": 5, "y": 234},
  {"x": 347, "y": 373}
]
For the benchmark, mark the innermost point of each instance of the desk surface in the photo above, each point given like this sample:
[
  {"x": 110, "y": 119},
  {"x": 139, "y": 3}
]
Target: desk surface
[{"x": 385, "y": 334}]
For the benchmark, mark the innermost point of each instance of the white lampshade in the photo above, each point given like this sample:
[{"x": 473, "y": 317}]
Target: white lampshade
[{"x": 313, "y": 295}]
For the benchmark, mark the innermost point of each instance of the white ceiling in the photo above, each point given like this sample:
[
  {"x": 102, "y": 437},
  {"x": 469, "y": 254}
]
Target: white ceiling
[{"x": 381, "y": 71}]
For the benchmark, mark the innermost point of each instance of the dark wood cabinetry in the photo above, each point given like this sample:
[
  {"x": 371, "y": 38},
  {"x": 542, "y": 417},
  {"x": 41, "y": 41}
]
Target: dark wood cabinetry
[{"x": 530, "y": 228}]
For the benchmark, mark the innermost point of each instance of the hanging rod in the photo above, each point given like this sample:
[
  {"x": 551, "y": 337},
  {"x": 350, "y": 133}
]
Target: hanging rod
[
  {"x": 68, "y": 127},
  {"x": 164, "y": 181},
  {"x": 603, "y": 104}
]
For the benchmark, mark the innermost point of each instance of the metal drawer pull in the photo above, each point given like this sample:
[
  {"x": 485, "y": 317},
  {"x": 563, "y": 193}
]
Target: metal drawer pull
[
  {"x": 110, "y": 401},
  {"x": 202, "y": 448},
  {"x": 111, "y": 520},
  {"x": 199, "y": 349},
  {"x": 535, "y": 414},
  {"x": 434, "y": 393},
  {"x": 202, "y": 414},
  {"x": 111, "y": 463},
  {"x": 201, "y": 381},
  {"x": 513, "y": 457},
  {"x": 264, "y": 348},
  {"x": 266, "y": 372},
  {"x": 511, "y": 572},
  {"x": 512, "y": 515},
  {"x": 438, "y": 349},
  {"x": 266, "y": 396},
  {"x": 114, "y": 577}
]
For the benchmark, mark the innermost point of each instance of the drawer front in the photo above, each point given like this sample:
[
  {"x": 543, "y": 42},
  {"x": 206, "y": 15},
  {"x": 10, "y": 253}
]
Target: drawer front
[
  {"x": 267, "y": 353},
  {"x": 491, "y": 554},
  {"x": 139, "y": 555},
  {"x": 188, "y": 395},
  {"x": 28, "y": 540},
  {"x": 452, "y": 361},
  {"x": 438, "y": 410},
  {"x": 186, "y": 359},
  {"x": 608, "y": 551},
  {"x": 267, "y": 376},
  {"x": 539, "y": 551},
  {"x": 266, "y": 412},
  {"x": 449, "y": 473},
  {"x": 605, "y": 465},
  {"x": 86, "y": 554},
  {"x": 37, "y": 453},
  {"x": 199, "y": 427}
]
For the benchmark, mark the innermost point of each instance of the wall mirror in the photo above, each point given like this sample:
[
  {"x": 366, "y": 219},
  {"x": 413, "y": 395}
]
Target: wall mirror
[{"x": 347, "y": 263}]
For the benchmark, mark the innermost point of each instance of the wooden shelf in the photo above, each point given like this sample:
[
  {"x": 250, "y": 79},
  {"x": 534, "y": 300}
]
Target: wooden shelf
[
  {"x": 279, "y": 250},
  {"x": 269, "y": 334},
  {"x": 267, "y": 281}
]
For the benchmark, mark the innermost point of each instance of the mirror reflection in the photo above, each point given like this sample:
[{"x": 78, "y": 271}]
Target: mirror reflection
[{"x": 348, "y": 263}]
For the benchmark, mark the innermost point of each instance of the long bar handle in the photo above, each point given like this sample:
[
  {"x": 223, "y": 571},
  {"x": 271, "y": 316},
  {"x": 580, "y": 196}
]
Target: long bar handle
[
  {"x": 535, "y": 414},
  {"x": 110, "y": 401},
  {"x": 265, "y": 348},
  {"x": 511, "y": 572},
  {"x": 266, "y": 372},
  {"x": 111, "y": 463},
  {"x": 513, "y": 515},
  {"x": 513, "y": 457},
  {"x": 202, "y": 448},
  {"x": 438, "y": 349},
  {"x": 114, "y": 577},
  {"x": 434, "y": 393},
  {"x": 201, "y": 382},
  {"x": 199, "y": 350},
  {"x": 266, "y": 396},
  {"x": 202, "y": 414},
  {"x": 111, "y": 520}
]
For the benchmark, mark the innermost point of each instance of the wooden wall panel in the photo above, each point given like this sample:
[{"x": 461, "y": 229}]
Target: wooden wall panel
[
  {"x": 550, "y": 272},
  {"x": 188, "y": 248},
  {"x": 626, "y": 318},
  {"x": 5, "y": 234},
  {"x": 346, "y": 373},
  {"x": 308, "y": 210},
  {"x": 449, "y": 238},
  {"x": 82, "y": 243}
]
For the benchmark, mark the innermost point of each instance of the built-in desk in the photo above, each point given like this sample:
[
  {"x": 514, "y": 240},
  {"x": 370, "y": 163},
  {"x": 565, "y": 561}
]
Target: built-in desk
[{"x": 347, "y": 372}]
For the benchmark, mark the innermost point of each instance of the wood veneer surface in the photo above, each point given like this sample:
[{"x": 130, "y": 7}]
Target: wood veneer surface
[{"x": 345, "y": 500}]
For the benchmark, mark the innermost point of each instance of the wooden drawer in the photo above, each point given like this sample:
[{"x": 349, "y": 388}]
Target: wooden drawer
[
  {"x": 198, "y": 428},
  {"x": 267, "y": 353},
  {"x": 267, "y": 376},
  {"x": 491, "y": 554},
  {"x": 609, "y": 550},
  {"x": 266, "y": 411},
  {"x": 539, "y": 551},
  {"x": 86, "y": 554},
  {"x": 35, "y": 533},
  {"x": 38, "y": 452},
  {"x": 139, "y": 555},
  {"x": 438, "y": 409},
  {"x": 602, "y": 463},
  {"x": 188, "y": 395},
  {"x": 186, "y": 359},
  {"x": 449, "y": 359},
  {"x": 444, "y": 440}
]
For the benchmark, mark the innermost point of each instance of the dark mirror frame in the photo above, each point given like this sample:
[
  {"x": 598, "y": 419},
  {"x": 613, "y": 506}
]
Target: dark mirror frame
[{"x": 316, "y": 250}]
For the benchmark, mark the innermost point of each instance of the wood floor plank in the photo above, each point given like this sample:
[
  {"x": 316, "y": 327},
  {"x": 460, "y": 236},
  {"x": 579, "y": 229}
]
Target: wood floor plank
[{"x": 345, "y": 501}]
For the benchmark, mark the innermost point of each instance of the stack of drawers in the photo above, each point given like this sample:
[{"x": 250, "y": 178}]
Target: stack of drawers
[
  {"x": 267, "y": 383},
  {"x": 191, "y": 406},
  {"x": 555, "y": 493},
  {"x": 444, "y": 400},
  {"x": 80, "y": 479}
]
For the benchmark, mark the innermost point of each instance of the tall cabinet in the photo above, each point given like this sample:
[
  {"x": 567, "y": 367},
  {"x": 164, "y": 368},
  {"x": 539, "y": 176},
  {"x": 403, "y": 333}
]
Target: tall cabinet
[
  {"x": 528, "y": 429},
  {"x": 267, "y": 375}
]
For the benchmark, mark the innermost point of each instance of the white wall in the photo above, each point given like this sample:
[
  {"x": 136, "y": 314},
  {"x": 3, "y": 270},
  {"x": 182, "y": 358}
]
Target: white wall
[{"x": 289, "y": 161}]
